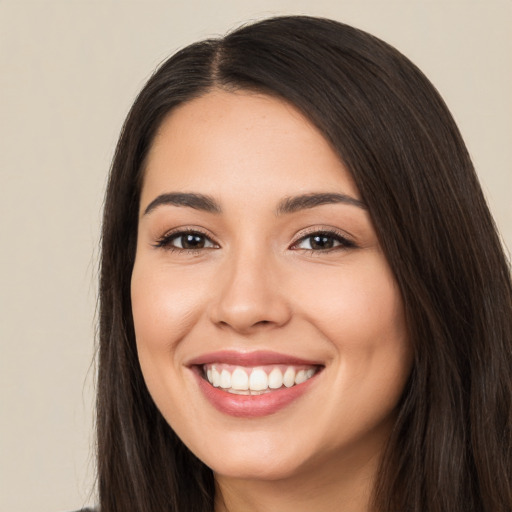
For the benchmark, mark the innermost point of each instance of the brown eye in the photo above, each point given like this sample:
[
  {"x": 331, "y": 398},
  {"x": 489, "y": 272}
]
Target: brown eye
[
  {"x": 186, "y": 240},
  {"x": 323, "y": 242},
  {"x": 190, "y": 241}
]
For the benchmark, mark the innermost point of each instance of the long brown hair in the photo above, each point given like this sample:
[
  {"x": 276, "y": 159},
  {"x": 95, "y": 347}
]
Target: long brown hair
[{"x": 451, "y": 448}]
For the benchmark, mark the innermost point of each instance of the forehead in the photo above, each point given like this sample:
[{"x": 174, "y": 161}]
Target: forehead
[{"x": 237, "y": 141}]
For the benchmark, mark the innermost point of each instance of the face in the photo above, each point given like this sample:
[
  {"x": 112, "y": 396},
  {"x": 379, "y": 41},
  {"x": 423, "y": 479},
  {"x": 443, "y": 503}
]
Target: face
[{"x": 269, "y": 327}]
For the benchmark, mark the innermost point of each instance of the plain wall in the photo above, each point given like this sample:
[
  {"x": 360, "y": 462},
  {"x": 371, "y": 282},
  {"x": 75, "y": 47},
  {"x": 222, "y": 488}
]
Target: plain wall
[{"x": 69, "y": 71}]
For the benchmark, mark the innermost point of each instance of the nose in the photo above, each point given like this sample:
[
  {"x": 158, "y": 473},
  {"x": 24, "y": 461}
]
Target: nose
[{"x": 250, "y": 295}]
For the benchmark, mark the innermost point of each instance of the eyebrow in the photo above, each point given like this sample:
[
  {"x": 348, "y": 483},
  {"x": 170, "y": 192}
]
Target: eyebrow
[
  {"x": 305, "y": 201},
  {"x": 190, "y": 200},
  {"x": 286, "y": 206}
]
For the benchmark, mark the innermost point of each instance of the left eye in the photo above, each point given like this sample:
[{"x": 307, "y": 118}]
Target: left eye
[
  {"x": 322, "y": 242},
  {"x": 187, "y": 241}
]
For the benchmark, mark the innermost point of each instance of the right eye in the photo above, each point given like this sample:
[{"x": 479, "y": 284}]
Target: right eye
[{"x": 186, "y": 241}]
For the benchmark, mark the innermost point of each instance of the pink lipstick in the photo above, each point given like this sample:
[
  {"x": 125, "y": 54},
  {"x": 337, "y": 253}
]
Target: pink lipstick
[{"x": 253, "y": 384}]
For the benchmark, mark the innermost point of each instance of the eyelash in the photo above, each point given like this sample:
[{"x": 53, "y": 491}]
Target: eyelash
[
  {"x": 336, "y": 236},
  {"x": 166, "y": 242}
]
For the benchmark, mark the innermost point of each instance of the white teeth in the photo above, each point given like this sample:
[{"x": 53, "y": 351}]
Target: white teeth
[
  {"x": 215, "y": 377},
  {"x": 300, "y": 377},
  {"x": 275, "y": 379},
  {"x": 258, "y": 380},
  {"x": 289, "y": 377},
  {"x": 225, "y": 379},
  {"x": 244, "y": 381},
  {"x": 239, "y": 380}
]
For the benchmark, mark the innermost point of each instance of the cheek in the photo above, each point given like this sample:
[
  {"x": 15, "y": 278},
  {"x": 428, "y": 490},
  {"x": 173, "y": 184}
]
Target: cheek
[
  {"x": 360, "y": 314},
  {"x": 164, "y": 305},
  {"x": 355, "y": 307}
]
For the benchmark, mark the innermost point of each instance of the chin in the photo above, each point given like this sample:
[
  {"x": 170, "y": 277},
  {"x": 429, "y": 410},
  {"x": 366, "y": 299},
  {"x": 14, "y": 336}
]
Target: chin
[
  {"x": 263, "y": 455},
  {"x": 268, "y": 469}
]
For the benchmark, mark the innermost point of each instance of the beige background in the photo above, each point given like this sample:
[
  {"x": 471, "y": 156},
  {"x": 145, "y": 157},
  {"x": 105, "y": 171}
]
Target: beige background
[{"x": 69, "y": 71}]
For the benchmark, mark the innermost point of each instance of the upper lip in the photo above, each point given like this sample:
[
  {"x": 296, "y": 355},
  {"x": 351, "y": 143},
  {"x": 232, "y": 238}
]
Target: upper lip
[{"x": 255, "y": 358}]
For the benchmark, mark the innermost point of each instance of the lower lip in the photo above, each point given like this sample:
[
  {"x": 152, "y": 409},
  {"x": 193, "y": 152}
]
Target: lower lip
[{"x": 251, "y": 406}]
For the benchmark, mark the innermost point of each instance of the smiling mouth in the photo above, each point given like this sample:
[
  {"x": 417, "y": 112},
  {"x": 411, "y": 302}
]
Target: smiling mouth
[
  {"x": 253, "y": 384},
  {"x": 259, "y": 380}
]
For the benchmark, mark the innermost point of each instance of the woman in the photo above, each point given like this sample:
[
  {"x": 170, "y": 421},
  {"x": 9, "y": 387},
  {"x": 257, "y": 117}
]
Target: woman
[{"x": 304, "y": 303}]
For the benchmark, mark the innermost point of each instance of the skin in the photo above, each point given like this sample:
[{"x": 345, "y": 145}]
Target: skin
[{"x": 258, "y": 285}]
